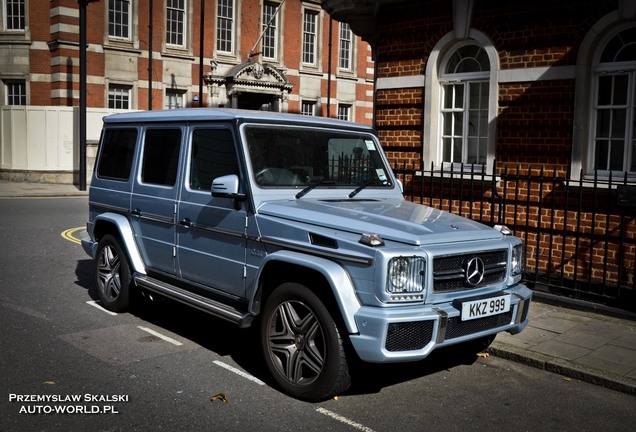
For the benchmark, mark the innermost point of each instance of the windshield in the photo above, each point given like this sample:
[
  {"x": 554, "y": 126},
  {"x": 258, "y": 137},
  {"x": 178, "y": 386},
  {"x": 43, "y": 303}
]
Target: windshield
[{"x": 301, "y": 157}]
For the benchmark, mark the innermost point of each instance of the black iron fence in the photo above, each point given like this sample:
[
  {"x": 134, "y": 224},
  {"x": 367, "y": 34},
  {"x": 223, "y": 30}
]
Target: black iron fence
[{"x": 579, "y": 232}]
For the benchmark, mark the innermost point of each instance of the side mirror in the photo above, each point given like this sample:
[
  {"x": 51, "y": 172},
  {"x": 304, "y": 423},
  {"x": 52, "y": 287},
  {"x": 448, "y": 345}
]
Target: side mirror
[{"x": 227, "y": 187}]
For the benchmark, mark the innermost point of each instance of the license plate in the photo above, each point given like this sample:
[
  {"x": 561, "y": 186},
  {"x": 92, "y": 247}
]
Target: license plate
[{"x": 485, "y": 307}]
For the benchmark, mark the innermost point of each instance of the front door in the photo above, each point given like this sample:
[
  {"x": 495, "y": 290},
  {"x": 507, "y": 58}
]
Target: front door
[{"x": 211, "y": 231}]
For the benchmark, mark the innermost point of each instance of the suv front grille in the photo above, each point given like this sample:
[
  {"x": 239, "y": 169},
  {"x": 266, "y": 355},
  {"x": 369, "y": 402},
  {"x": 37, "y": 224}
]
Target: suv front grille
[
  {"x": 449, "y": 272},
  {"x": 457, "y": 328}
]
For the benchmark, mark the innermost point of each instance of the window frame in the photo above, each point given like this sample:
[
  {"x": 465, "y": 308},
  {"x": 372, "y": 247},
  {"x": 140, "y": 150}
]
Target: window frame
[
  {"x": 345, "y": 48},
  {"x": 113, "y": 89},
  {"x": 176, "y": 94},
  {"x": 232, "y": 26},
  {"x": 447, "y": 136},
  {"x": 23, "y": 17},
  {"x": 9, "y": 95},
  {"x": 349, "y": 112},
  {"x": 275, "y": 30},
  {"x": 310, "y": 57},
  {"x": 308, "y": 104},
  {"x": 183, "y": 32},
  {"x": 128, "y": 25},
  {"x": 603, "y": 70},
  {"x": 440, "y": 55}
]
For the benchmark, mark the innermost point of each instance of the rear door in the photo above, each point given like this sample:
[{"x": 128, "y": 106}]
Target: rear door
[
  {"x": 153, "y": 204},
  {"x": 211, "y": 231}
]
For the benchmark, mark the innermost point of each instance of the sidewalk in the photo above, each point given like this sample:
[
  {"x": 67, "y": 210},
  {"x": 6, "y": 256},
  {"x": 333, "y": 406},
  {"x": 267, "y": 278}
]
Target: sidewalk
[
  {"x": 582, "y": 345},
  {"x": 24, "y": 190},
  {"x": 587, "y": 346}
]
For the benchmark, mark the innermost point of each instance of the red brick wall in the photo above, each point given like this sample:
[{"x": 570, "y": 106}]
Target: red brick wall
[
  {"x": 583, "y": 236},
  {"x": 63, "y": 45},
  {"x": 534, "y": 124}
]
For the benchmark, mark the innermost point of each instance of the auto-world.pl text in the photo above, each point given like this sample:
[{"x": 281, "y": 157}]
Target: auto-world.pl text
[{"x": 67, "y": 404}]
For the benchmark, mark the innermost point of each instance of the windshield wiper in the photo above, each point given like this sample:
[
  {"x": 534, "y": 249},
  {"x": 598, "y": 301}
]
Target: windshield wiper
[
  {"x": 314, "y": 185},
  {"x": 362, "y": 185}
]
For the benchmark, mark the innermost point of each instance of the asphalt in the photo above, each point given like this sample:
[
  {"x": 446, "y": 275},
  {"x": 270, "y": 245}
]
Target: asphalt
[{"x": 579, "y": 343}]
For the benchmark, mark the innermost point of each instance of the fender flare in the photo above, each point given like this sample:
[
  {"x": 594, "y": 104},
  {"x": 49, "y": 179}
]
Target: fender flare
[
  {"x": 337, "y": 277},
  {"x": 122, "y": 224}
]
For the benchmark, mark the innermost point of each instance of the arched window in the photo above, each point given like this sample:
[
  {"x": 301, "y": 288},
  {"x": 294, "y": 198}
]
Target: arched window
[
  {"x": 464, "y": 90},
  {"x": 460, "y": 107},
  {"x": 614, "y": 109}
]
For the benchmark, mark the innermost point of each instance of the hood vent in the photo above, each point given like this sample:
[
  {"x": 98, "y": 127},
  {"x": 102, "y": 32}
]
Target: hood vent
[{"x": 320, "y": 240}]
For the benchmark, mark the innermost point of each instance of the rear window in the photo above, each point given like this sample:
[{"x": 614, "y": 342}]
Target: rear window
[{"x": 116, "y": 154}]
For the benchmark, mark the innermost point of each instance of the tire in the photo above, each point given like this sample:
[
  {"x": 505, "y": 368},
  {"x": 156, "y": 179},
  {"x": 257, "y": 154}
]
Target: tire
[
  {"x": 112, "y": 275},
  {"x": 302, "y": 346}
]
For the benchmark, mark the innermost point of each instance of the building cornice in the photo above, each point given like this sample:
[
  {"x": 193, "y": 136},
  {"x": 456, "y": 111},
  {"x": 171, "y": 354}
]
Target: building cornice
[{"x": 361, "y": 15}]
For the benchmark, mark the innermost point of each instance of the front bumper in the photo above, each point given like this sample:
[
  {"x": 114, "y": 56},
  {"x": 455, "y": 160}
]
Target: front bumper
[
  {"x": 410, "y": 334},
  {"x": 89, "y": 246}
]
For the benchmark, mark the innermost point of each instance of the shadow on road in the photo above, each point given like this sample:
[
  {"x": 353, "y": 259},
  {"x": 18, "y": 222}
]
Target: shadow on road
[
  {"x": 86, "y": 277},
  {"x": 225, "y": 339}
]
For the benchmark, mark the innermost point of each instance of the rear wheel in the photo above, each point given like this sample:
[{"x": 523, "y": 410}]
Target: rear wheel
[
  {"x": 112, "y": 275},
  {"x": 302, "y": 346}
]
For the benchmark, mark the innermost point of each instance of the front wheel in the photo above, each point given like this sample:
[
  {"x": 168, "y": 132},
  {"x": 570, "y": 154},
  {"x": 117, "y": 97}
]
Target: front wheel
[
  {"x": 301, "y": 344},
  {"x": 112, "y": 275}
]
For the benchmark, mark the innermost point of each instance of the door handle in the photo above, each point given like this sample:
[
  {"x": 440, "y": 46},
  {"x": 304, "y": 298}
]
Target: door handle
[{"x": 186, "y": 223}]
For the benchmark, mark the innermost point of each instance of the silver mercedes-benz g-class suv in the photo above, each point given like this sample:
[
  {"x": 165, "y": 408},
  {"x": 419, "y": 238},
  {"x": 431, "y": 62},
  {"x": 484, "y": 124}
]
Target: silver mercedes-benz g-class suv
[{"x": 298, "y": 224}]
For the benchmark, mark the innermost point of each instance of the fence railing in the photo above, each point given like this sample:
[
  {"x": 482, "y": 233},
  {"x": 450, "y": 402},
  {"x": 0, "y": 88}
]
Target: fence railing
[{"x": 579, "y": 232}]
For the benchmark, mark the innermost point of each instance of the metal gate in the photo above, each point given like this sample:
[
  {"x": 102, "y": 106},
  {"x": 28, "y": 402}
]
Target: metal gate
[{"x": 579, "y": 232}]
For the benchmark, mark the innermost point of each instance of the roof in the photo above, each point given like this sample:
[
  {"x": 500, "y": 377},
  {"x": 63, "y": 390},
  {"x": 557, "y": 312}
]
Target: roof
[{"x": 227, "y": 114}]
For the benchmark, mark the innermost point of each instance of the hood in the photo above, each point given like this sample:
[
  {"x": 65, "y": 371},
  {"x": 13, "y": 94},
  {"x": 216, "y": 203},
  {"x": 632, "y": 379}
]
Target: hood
[{"x": 393, "y": 219}]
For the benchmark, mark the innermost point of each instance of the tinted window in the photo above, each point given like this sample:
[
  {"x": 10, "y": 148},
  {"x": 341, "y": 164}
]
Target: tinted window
[
  {"x": 161, "y": 156},
  {"x": 116, "y": 155},
  {"x": 213, "y": 155}
]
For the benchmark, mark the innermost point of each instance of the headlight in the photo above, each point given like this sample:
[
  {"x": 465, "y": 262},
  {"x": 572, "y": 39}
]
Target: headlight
[
  {"x": 405, "y": 280},
  {"x": 517, "y": 259}
]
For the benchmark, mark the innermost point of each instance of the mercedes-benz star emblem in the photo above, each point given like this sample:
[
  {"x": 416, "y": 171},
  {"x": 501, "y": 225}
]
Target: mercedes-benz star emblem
[{"x": 474, "y": 271}]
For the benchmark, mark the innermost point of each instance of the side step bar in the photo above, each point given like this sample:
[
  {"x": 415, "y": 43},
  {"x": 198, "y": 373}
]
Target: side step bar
[{"x": 218, "y": 309}]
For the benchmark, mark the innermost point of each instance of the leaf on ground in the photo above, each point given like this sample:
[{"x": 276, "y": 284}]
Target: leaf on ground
[
  {"x": 49, "y": 382},
  {"x": 483, "y": 355},
  {"x": 219, "y": 396}
]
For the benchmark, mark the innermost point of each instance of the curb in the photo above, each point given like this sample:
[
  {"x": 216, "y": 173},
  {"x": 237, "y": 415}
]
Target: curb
[{"x": 563, "y": 367}]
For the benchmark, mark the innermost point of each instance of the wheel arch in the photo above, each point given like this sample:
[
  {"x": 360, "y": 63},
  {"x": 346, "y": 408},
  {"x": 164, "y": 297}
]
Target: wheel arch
[
  {"x": 316, "y": 274},
  {"x": 118, "y": 225}
]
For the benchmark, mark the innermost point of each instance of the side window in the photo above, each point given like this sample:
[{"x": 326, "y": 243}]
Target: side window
[
  {"x": 213, "y": 155},
  {"x": 116, "y": 154},
  {"x": 161, "y": 156}
]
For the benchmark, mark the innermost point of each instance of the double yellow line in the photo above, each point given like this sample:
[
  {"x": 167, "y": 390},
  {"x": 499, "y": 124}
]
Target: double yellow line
[{"x": 68, "y": 234}]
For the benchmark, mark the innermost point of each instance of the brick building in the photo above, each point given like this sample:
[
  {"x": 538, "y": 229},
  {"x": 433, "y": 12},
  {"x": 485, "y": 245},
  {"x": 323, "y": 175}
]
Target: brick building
[
  {"x": 179, "y": 53},
  {"x": 517, "y": 112}
]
